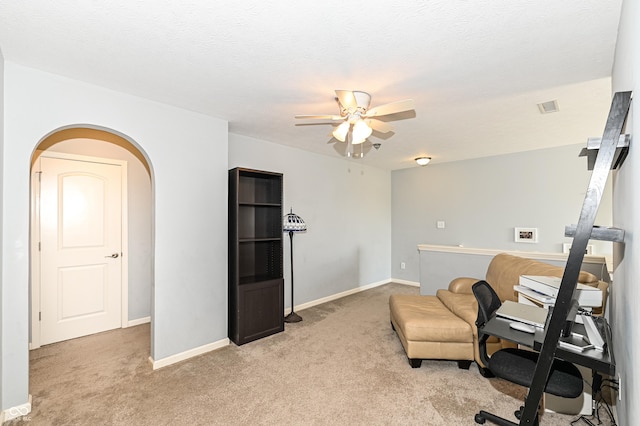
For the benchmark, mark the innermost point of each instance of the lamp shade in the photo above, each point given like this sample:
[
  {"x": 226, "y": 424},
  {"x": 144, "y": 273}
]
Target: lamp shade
[
  {"x": 293, "y": 223},
  {"x": 360, "y": 132},
  {"x": 341, "y": 131}
]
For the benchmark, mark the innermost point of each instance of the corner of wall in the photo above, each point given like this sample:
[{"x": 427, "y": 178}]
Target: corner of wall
[
  {"x": 1, "y": 210},
  {"x": 626, "y": 206}
]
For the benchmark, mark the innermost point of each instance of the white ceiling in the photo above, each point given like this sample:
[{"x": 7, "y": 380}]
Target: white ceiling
[{"x": 476, "y": 69}]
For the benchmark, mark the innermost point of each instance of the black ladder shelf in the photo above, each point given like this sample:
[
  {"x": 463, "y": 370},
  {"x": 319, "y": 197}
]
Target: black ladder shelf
[{"x": 606, "y": 159}]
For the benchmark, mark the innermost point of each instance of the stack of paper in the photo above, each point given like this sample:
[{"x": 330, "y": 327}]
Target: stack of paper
[{"x": 548, "y": 287}]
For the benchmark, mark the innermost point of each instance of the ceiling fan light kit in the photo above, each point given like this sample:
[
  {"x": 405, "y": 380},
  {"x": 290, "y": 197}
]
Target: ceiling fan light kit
[
  {"x": 360, "y": 132},
  {"x": 358, "y": 121},
  {"x": 341, "y": 131}
]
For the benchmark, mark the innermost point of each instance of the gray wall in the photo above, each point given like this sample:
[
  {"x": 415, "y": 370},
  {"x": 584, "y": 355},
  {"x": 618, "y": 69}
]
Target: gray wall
[
  {"x": 190, "y": 215},
  {"x": 625, "y": 292},
  {"x": 2, "y": 319},
  {"x": 347, "y": 210},
  {"x": 346, "y": 205},
  {"x": 139, "y": 218},
  {"x": 482, "y": 200}
]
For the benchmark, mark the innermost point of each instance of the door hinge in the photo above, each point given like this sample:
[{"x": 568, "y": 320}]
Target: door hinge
[
  {"x": 39, "y": 176},
  {"x": 39, "y": 316},
  {"x": 39, "y": 246}
]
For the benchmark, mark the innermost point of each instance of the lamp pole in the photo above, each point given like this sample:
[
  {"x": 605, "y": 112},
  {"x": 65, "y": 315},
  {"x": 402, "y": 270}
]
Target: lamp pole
[
  {"x": 293, "y": 223},
  {"x": 292, "y": 317}
]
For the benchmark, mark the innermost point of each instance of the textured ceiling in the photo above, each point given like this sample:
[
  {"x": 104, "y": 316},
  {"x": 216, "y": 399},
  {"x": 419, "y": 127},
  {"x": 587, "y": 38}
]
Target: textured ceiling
[{"x": 476, "y": 69}]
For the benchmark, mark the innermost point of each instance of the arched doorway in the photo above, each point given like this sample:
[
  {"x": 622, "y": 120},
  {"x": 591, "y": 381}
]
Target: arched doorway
[{"x": 81, "y": 142}]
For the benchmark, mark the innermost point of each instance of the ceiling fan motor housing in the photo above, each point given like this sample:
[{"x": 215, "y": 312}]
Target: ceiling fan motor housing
[{"x": 362, "y": 103}]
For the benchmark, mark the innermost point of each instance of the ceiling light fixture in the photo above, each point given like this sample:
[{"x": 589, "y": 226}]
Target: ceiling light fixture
[{"x": 423, "y": 161}]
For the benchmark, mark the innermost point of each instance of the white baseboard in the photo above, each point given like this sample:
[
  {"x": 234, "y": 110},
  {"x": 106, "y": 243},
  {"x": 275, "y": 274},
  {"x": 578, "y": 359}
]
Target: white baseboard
[
  {"x": 138, "y": 321},
  {"x": 21, "y": 410},
  {"x": 336, "y": 296},
  {"x": 188, "y": 354},
  {"x": 406, "y": 282}
]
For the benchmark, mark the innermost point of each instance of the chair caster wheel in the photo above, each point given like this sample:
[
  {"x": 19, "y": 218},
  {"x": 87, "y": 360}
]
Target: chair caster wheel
[
  {"x": 518, "y": 413},
  {"x": 479, "y": 419},
  {"x": 486, "y": 373}
]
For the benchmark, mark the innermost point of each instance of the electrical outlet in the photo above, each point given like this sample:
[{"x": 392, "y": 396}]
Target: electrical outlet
[
  {"x": 403, "y": 265},
  {"x": 619, "y": 387}
]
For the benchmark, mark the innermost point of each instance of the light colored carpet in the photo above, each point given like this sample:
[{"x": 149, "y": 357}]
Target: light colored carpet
[{"x": 342, "y": 365}]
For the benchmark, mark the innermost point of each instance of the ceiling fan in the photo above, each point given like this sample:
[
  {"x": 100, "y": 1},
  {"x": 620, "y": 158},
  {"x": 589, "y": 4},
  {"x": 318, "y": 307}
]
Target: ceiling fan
[{"x": 358, "y": 121}]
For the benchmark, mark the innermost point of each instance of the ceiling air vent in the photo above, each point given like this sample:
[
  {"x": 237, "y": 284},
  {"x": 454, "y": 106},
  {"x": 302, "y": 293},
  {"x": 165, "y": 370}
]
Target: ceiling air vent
[{"x": 548, "y": 107}]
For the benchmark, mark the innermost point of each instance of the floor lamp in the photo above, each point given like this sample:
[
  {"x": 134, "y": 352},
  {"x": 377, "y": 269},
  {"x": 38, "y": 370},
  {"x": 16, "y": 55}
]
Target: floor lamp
[{"x": 293, "y": 223}]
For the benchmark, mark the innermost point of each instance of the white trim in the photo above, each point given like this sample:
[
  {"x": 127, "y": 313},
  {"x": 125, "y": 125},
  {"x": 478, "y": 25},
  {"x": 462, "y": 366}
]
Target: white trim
[
  {"x": 406, "y": 282},
  {"x": 124, "y": 243},
  {"x": 35, "y": 238},
  {"x": 139, "y": 321},
  {"x": 21, "y": 410},
  {"x": 188, "y": 354},
  {"x": 492, "y": 252},
  {"x": 34, "y": 282},
  {"x": 336, "y": 296}
]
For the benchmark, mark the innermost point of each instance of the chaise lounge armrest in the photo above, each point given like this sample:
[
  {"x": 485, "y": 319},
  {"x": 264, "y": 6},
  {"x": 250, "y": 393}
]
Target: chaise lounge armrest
[{"x": 462, "y": 285}]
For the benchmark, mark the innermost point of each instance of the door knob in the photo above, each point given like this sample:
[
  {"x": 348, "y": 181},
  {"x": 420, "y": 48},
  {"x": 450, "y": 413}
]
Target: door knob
[{"x": 114, "y": 255}]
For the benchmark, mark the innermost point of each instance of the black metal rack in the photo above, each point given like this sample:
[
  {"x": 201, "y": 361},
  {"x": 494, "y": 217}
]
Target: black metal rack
[{"x": 609, "y": 156}]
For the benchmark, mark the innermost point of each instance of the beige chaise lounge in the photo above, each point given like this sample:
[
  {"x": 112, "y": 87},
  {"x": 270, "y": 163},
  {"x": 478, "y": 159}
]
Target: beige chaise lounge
[{"x": 443, "y": 326}]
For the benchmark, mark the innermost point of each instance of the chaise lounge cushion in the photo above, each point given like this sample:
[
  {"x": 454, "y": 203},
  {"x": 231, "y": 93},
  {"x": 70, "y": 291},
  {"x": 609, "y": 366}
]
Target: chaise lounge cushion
[
  {"x": 444, "y": 336},
  {"x": 443, "y": 325}
]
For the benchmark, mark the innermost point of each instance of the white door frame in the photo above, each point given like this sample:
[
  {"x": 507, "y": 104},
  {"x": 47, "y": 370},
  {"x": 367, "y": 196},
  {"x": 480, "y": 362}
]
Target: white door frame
[{"x": 35, "y": 240}]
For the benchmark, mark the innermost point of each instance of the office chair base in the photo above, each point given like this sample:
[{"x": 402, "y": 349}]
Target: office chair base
[{"x": 483, "y": 416}]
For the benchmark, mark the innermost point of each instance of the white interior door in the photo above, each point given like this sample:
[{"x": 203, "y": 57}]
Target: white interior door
[{"x": 80, "y": 248}]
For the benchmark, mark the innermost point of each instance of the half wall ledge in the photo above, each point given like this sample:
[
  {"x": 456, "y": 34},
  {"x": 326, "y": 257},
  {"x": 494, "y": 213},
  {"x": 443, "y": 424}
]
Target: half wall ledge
[{"x": 439, "y": 264}]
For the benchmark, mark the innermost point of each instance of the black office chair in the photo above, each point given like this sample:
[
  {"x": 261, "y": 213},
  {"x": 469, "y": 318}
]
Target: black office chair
[{"x": 518, "y": 365}]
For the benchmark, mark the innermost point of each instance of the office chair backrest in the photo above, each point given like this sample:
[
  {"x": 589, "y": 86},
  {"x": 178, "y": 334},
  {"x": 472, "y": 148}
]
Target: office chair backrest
[{"x": 488, "y": 301}]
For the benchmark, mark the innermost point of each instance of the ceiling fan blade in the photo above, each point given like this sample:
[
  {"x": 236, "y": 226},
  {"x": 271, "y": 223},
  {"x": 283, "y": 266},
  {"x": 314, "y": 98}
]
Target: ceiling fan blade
[
  {"x": 320, "y": 117},
  {"x": 379, "y": 126},
  {"x": 347, "y": 99},
  {"x": 391, "y": 108}
]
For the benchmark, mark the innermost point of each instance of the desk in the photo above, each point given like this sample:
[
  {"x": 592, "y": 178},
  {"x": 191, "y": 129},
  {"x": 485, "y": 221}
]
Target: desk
[
  {"x": 602, "y": 362},
  {"x": 596, "y": 361}
]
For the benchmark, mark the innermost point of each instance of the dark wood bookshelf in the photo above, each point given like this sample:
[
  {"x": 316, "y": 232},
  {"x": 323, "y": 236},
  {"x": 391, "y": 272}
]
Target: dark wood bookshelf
[{"x": 256, "y": 283}]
